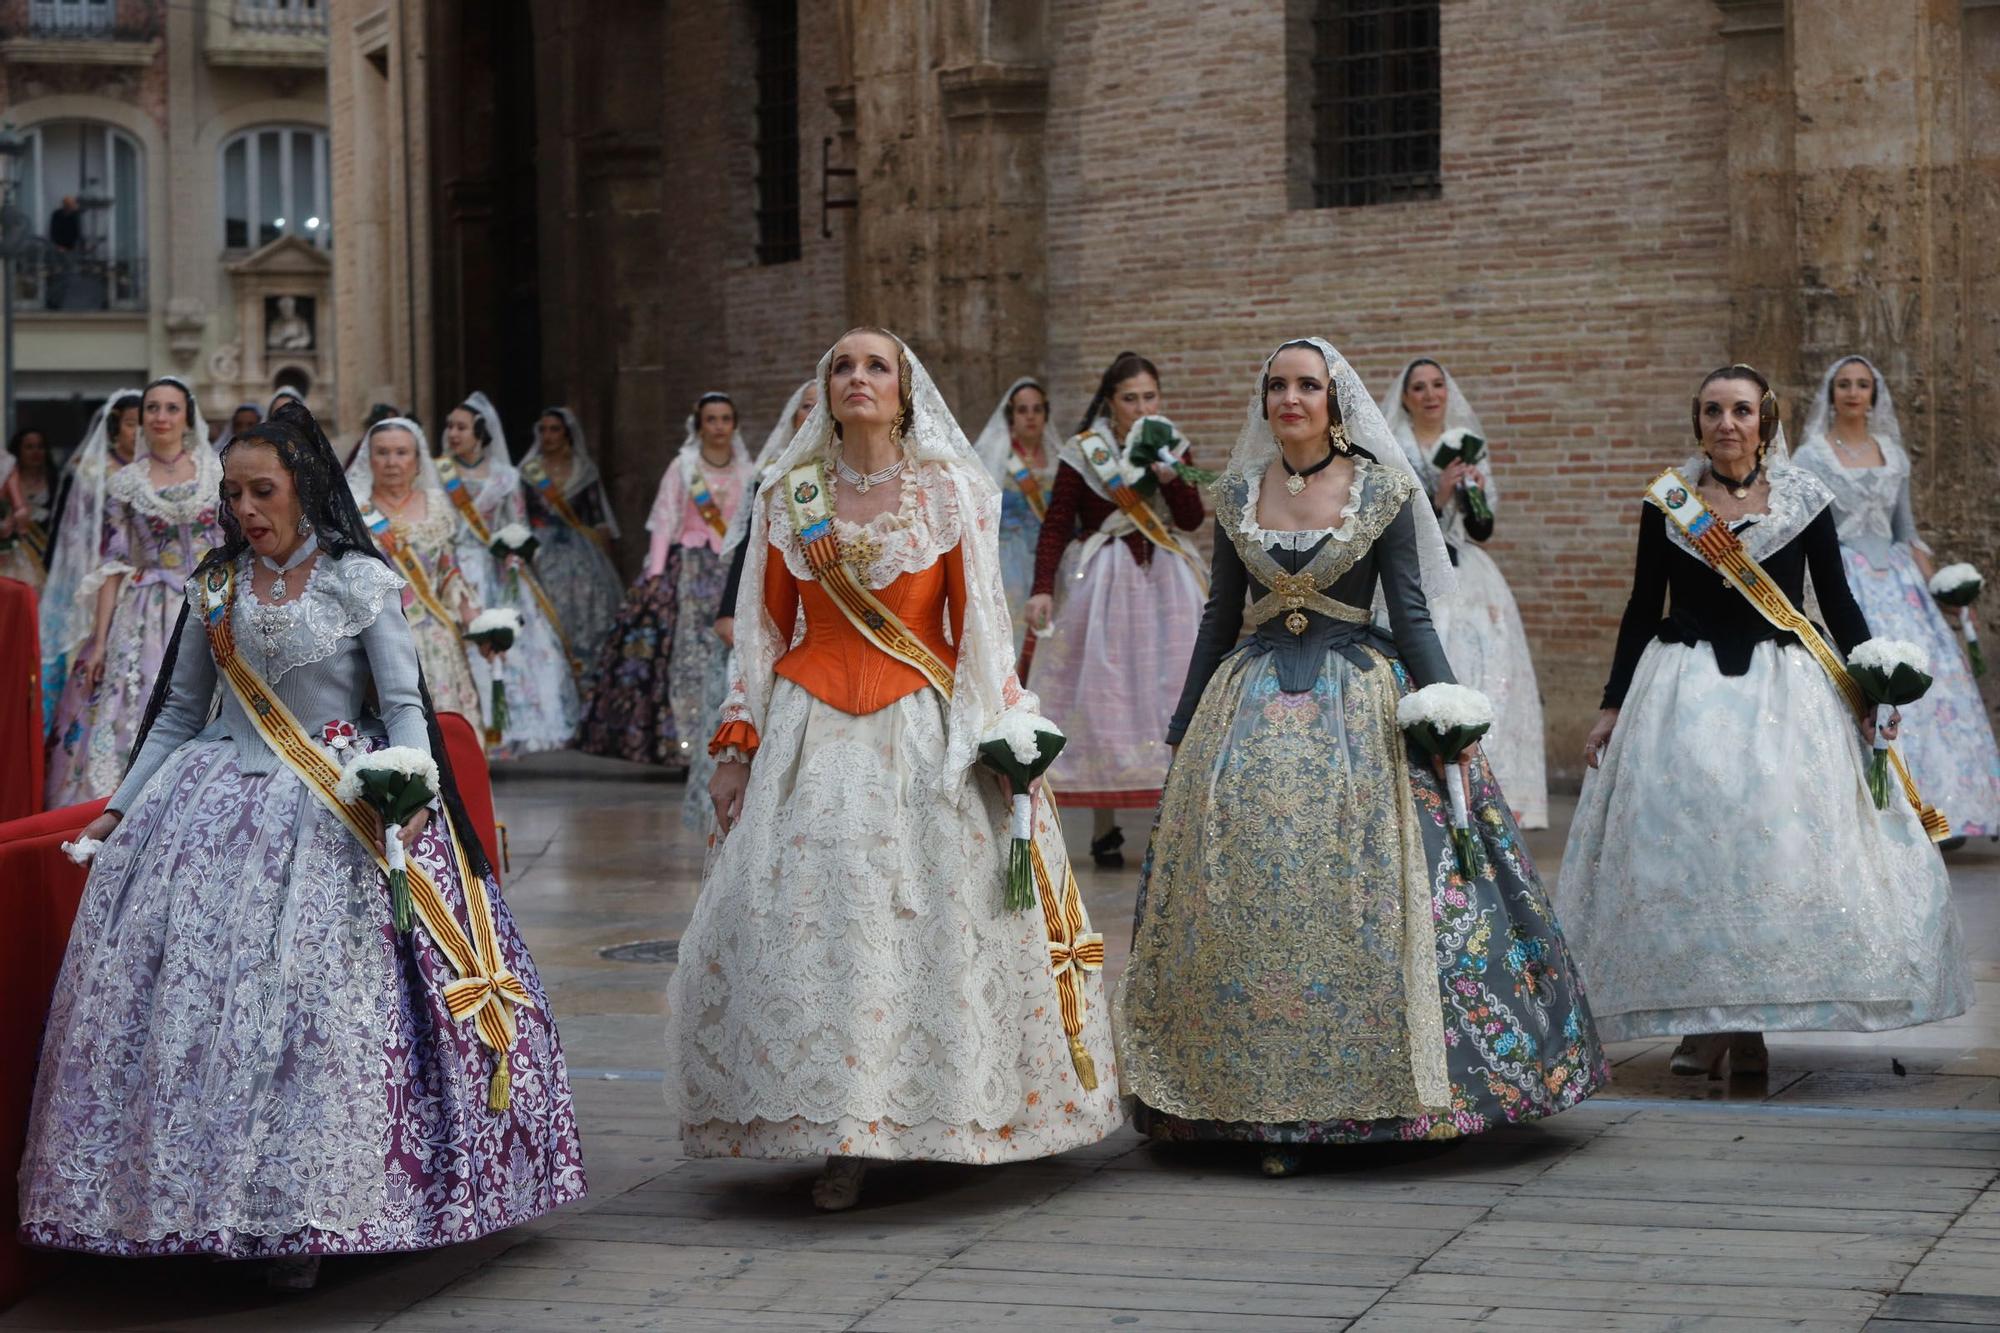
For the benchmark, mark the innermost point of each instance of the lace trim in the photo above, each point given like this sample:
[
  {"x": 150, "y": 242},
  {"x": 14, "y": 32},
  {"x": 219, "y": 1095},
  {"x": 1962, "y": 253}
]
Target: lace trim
[
  {"x": 343, "y": 596},
  {"x": 907, "y": 540},
  {"x": 191, "y": 501},
  {"x": 1296, "y": 539},
  {"x": 1379, "y": 495},
  {"x": 1797, "y": 496},
  {"x": 435, "y": 530}
]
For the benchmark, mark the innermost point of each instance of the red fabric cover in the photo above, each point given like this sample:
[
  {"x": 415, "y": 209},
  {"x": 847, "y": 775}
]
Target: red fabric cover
[
  {"x": 39, "y": 891},
  {"x": 20, "y": 703},
  {"x": 467, "y": 753}
]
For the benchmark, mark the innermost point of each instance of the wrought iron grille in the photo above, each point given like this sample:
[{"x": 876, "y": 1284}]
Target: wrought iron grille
[
  {"x": 777, "y": 23},
  {"x": 72, "y": 18},
  {"x": 1376, "y": 108}
]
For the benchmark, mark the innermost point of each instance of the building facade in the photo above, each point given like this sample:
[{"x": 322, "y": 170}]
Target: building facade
[
  {"x": 1579, "y": 206},
  {"x": 172, "y": 201}
]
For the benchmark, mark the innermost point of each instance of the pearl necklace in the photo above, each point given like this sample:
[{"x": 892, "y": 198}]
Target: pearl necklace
[{"x": 862, "y": 483}]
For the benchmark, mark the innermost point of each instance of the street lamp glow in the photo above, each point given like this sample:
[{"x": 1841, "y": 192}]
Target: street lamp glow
[
  {"x": 312, "y": 224},
  {"x": 277, "y": 222}
]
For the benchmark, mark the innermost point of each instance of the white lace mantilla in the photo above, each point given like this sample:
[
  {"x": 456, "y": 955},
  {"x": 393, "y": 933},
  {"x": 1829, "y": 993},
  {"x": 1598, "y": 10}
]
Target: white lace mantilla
[
  {"x": 1797, "y": 496},
  {"x": 1299, "y": 539},
  {"x": 341, "y": 598}
]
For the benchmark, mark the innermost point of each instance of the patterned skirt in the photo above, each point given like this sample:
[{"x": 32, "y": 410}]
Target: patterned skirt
[
  {"x": 245, "y": 1059},
  {"x": 1309, "y": 964},
  {"x": 630, "y": 714},
  {"x": 698, "y": 673},
  {"x": 92, "y": 731}
]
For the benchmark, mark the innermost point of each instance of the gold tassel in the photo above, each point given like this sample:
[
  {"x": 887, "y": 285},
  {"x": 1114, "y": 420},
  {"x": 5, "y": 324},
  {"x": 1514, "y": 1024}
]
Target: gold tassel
[
  {"x": 1086, "y": 1068},
  {"x": 499, "y": 1093}
]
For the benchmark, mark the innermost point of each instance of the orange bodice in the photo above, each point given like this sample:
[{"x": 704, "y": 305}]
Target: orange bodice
[{"x": 833, "y": 662}]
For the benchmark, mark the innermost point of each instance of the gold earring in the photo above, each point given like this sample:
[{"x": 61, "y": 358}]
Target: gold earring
[
  {"x": 1336, "y": 437},
  {"x": 896, "y": 426}
]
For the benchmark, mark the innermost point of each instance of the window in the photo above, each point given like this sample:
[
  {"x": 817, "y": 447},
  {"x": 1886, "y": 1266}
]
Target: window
[
  {"x": 274, "y": 183},
  {"x": 1376, "y": 108},
  {"x": 281, "y": 15},
  {"x": 83, "y": 187},
  {"x": 777, "y": 23},
  {"x": 72, "y": 18}
]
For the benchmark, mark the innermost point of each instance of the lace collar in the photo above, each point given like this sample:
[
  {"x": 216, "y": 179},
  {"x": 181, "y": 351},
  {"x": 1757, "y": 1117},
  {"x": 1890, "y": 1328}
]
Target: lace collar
[
  {"x": 1797, "y": 497},
  {"x": 435, "y": 530},
  {"x": 925, "y": 524},
  {"x": 1300, "y": 539},
  {"x": 343, "y": 596},
  {"x": 192, "y": 501}
]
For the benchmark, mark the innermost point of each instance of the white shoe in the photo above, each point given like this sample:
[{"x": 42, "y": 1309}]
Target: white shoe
[{"x": 1701, "y": 1055}]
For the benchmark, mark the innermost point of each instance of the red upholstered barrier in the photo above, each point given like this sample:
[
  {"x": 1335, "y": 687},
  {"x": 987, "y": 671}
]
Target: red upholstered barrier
[
  {"x": 39, "y": 891},
  {"x": 20, "y": 702}
]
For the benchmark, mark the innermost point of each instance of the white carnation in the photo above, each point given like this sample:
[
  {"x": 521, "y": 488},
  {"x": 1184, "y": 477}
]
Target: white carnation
[
  {"x": 1953, "y": 577},
  {"x": 1454, "y": 438},
  {"x": 405, "y": 759},
  {"x": 1175, "y": 451},
  {"x": 499, "y": 617},
  {"x": 1445, "y": 707},
  {"x": 514, "y": 536},
  {"x": 1885, "y": 655},
  {"x": 1019, "y": 728}
]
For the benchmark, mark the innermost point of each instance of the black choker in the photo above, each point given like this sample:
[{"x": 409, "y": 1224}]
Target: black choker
[
  {"x": 1296, "y": 482},
  {"x": 1739, "y": 489}
]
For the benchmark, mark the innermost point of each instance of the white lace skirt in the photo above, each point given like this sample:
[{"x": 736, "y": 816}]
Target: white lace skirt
[
  {"x": 1728, "y": 871},
  {"x": 850, "y": 982},
  {"x": 1480, "y": 628}
]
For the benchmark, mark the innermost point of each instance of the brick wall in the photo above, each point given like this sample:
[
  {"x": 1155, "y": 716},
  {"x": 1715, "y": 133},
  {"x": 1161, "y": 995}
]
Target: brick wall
[{"x": 1573, "y": 276}]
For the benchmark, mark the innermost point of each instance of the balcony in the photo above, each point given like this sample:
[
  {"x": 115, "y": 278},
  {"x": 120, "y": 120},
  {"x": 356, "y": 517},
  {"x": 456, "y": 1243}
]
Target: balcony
[
  {"x": 47, "y": 279},
  {"x": 79, "y": 32},
  {"x": 266, "y": 34}
]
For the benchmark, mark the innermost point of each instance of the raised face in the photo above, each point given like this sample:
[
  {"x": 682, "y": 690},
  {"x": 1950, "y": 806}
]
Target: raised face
[
  {"x": 126, "y": 433},
  {"x": 864, "y": 380},
  {"x": 392, "y": 458},
  {"x": 807, "y": 402},
  {"x": 243, "y": 420},
  {"x": 460, "y": 436},
  {"x": 165, "y": 409},
  {"x": 259, "y": 491},
  {"x": 1728, "y": 416},
  {"x": 34, "y": 453},
  {"x": 1027, "y": 414},
  {"x": 553, "y": 435},
  {"x": 716, "y": 423},
  {"x": 1295, "y": 396},
  {"x": 1424, "y": 396},
  {"x": 1138, "y": 396},
  {"x": 1853, "y": 392}
]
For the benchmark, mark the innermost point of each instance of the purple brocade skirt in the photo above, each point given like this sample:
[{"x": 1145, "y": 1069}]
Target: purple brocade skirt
[{"x": 244, "y": 1059}]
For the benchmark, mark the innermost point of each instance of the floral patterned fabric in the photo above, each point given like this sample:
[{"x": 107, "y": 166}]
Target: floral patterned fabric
[
  {"x": 154, "y": 539},
  {"x": 630, "y": 714},
  {"x": 698, "y": 671},
  {"x": 575, "y": 570},
  {"x": 433, "y": 540},
  {"x": 244, "y": 1058}
]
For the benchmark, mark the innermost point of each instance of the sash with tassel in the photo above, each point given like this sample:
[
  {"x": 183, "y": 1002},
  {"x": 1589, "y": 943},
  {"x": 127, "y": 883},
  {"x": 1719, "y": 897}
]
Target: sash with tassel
[
  {"x": 1675, "y": 497},
  {"x": 1145, "y": 519},
  {"x": 486, "y": 990},
  {"x": 460, "y": 496},
  {"x": 1074, "y": 949},
  {"x": 703, "y": 497}
]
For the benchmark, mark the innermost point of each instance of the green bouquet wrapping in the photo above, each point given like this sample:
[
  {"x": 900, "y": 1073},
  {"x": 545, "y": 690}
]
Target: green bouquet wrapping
[
  {"x": 1443, "y": 721},
  {"x": 496, "y": 629},
  {"x": 1158, "y": 440},
  {"x": 1020, "y": 749},
  {"x": 1958, "y": 587},
  {"x": 1462, "y": 446},
  {"x": 396, "y": 782},
  {"x": 1891, "y": 672}
]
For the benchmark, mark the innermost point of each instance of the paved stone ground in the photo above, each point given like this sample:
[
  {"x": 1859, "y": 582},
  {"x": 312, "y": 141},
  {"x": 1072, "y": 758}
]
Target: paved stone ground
[{"x": 1854, "y": 1188}]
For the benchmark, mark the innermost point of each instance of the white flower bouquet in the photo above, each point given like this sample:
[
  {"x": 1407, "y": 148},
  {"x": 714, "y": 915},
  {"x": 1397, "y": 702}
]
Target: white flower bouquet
[
  {"x": 496, "y": 629},
  {"x": 1444, "y": 720},
  {"x": 1891, "y": 672},
  {"x": 83, "y": 850},
  {"x": 1958, "y": 586},
  {"x": 1020, "y": 748},
  {"x": 397, "y": 782},
  {"x": 516, "y": 540},
  {"x": 1157, "y": 440}
]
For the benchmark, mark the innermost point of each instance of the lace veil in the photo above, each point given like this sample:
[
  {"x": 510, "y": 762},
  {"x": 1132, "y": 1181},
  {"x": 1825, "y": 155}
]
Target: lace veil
[
  {"x": 66, "y": 618},
  {"x": 1256, "y": 447},
  {"x": 994, "y": 441},
  {"x": 985, "y": 686},
  {"x": 1458, "y": 415},
  {"x": 583, "y": 473},
  {"x": 1882, "y": 422},
  {"x": 361, "y": 476}
]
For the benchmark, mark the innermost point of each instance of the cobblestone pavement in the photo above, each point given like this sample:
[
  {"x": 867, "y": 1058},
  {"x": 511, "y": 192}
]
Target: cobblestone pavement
[{"x": 1854, "y": 1188}]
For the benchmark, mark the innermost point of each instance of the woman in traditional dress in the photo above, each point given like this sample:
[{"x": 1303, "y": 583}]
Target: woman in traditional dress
[
  {"x": 1479, "y": 624},
  {"x": 158, "y": 522},
  {"x": 851, "y": 985},
  {"x": 1115, "y": 650},
  {"x": 539, "y": 670},
  {"x": 1854, "y": 445},
  {"x": 76, "y": 535},
  {"x": 23, "y": 539},
  {"x": 1310, "y": 965},
  {"x": 395, "y": 485},
  {"x": 1019, "y": 447},
  {"x": 661, "y": 672},
  {"x": 1727, "y": 872},
  {"x": 244, "y": 1057},
  {"x": 797, "y": 408},
  {"x": 574, "y": 527}
]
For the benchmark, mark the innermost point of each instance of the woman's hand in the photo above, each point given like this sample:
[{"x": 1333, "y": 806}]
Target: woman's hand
[
  {"x": 489, "y": 652},
  {"x": 93, "y": 657},
  {"x": 1600, "y": 736},
  {"x": 101, "y": 827},
  {"x": 1890, "y": 729},
  {"x": 414, "y": 825},
  {"x": 1447, "y": 487},
  {"x": 1165, "y": 471},
  {"x": 725, "y": 630},
  {"x": 1039, "y": 612},
  {"x": 726, "y": 790}
]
